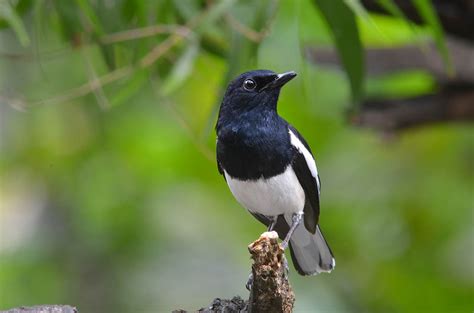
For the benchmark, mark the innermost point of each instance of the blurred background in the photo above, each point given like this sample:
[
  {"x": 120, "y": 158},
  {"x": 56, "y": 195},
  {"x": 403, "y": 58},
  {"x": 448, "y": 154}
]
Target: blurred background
[{"x": 110, "y": 196}]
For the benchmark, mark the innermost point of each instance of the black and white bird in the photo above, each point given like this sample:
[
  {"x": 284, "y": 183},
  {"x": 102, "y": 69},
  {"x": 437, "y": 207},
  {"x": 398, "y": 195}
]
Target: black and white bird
[{"x": 270, "y": 169}]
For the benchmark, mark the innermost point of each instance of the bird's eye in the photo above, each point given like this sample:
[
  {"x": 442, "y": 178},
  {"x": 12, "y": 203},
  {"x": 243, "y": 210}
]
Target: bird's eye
[{"x": 249, "y": 84}]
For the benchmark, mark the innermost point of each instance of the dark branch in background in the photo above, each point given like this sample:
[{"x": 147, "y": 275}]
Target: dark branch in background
[
  {"x": 454, "y": 98},
  {"x": 452, "y": 103}
]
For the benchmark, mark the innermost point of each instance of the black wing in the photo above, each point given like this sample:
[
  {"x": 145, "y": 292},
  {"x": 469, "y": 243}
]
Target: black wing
[
  {"x": 219, "y": 168},
  {"x": 309, "y": 180}
]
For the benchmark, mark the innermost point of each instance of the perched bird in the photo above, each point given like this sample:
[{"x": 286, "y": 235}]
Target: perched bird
[{"x": 270, "y": 169}]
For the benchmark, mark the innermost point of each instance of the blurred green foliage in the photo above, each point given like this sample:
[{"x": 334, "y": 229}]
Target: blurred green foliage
[{"x": 110, "y": 197}]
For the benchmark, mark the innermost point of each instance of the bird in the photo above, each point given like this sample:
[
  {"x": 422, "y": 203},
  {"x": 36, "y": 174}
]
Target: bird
[{"x": 270, "y": 169}]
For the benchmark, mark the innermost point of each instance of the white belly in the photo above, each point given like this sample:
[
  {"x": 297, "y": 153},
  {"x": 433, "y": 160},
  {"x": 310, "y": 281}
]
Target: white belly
[{"x": 273, "y": 196}]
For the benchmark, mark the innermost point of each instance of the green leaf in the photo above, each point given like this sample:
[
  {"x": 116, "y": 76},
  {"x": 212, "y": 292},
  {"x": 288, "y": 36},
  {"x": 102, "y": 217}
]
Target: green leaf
[
  {"x": 21, "y": 7},
  {"x": 213, "y": 14},
  {"x": 95, "y": 22},
  {"x": 187, "y": 8},
  {"x": 399, "y": 85},
  {"x": 90, "y": 14},
  {"x": 428, "y": 14},
  {"x": 108, "y": 54},
  {"x": 181, "y": 69},
  {"x": 69, "y": 22},
  {"x": 341, "y": 21},
  {"x": 357, "y": 8},
  {"x": 360, "y": 11},
  {"x": 391, "y": 7},
  {"x": 8, "y": 13}
]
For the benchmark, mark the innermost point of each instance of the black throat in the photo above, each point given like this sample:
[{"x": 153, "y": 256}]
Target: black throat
[{"x": 253, "y": 145}]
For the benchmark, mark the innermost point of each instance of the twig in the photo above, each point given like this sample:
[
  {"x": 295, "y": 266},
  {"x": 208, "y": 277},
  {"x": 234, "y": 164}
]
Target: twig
[
  {"x": 138, "y": 33},
  {"x": 148, "y": 60},
  {"x": 99, "y": 92},
  {"x": 249, "y": 33},
  {"x": 112, "y": 76},
  {"x": 206, "y": 152},
  {"x": 127, "y": 35},
  {"x": 48, "y": 55},
  {"x": 88, "y": 87},
  {"x": 159, "y": 50}
]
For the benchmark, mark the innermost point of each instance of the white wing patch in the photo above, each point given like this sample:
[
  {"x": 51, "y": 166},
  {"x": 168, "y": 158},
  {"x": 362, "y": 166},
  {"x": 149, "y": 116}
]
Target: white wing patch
[{"x": 307, "y": 155}]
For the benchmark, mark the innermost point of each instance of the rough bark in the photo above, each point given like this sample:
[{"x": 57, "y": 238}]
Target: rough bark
[{"x": 271, "y": 291}]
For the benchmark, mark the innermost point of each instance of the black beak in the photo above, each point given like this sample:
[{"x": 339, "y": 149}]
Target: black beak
[{"x": 280, "y": 80}]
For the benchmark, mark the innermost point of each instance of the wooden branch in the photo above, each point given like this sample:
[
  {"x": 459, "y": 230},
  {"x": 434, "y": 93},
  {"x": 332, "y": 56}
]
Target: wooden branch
[
  {"x": 453, "y": 103},
  {"x": 271, "y": 291},
  {"x": 43, "y": 309}
]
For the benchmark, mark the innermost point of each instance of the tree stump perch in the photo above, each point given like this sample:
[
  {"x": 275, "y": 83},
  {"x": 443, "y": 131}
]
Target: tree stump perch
[{"x": 271, "y": 291}]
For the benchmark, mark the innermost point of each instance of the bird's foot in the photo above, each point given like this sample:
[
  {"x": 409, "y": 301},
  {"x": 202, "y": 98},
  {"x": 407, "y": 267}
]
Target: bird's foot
[
  {"x": 273, "y": 222},
  {"x": 296, "y": 220}
]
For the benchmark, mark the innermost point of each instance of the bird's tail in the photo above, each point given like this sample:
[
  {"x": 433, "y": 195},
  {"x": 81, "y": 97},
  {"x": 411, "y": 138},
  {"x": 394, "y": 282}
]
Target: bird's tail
[{"x": 310, "y": 252}]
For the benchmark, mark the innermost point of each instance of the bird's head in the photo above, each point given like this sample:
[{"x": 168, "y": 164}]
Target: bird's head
[{"x": 259, "y": 88}]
